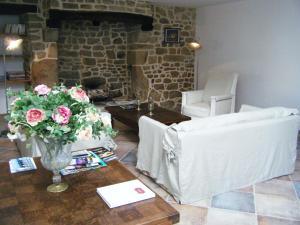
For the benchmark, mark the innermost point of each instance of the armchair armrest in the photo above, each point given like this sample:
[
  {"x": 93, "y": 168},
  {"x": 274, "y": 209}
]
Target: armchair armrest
[
  {"x": 222, "y": 104},
  {"x": 221, "y": 97},
  {"x": 189, "y": 97}
]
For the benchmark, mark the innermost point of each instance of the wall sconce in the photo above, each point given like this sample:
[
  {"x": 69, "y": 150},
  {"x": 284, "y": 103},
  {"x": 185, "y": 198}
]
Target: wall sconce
[
  {"x": 194, "y": 45},
  {"x": 12, "y": 44}
]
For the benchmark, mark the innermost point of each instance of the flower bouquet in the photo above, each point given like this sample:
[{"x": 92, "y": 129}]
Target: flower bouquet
[{"x": 55, "y": 117}]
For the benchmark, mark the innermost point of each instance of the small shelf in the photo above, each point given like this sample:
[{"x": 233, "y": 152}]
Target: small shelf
[
  {"x": 12, "y": 56},
  {"x": 18, "y": 81}
]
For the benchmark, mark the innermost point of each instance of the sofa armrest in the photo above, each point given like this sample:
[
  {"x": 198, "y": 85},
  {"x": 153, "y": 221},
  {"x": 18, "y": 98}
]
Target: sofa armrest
[
  {"x": 189, "y": 97},
  {"x": 150, "y": 151}
]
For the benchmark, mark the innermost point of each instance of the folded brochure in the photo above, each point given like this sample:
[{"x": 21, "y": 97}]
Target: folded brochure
[
  {"x": 125, "y": 193},
  {"x": 21, "y": 164}
]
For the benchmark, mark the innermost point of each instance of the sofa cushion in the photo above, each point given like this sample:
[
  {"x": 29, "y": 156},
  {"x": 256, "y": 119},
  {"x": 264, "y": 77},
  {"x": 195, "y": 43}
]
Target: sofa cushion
[
  {"x": 248, "y": 108},
  {"x": 197, "y": 109},
  {"x": 234, "y": 118}
]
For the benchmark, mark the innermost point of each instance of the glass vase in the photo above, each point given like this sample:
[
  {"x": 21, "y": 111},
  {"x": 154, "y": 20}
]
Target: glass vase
[{"x": 54, "y": 157}]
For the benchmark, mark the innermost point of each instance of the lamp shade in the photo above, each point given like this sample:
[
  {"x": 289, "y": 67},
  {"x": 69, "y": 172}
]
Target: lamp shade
[
  {"x": 194, "y": 45},
  {"x": 13, "y": 43}
]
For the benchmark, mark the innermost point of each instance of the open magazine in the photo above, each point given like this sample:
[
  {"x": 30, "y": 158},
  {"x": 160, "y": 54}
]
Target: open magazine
[{"x": 88, "y": 159}]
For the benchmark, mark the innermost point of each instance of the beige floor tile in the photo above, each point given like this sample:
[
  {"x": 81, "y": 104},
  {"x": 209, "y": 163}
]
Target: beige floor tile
[
  {"x": 148, "y": 181},
  {"x": 275, "y": 221},
  {"x": 124, "y": 147},
  {"x": 287, "y": 178},
  {"x": 277, "y": 187},
  {"x": 295, "y": 176},
  {"x": 133, "y": 170},
  {"x": 246, "y": 189},
  {"x": 277, "y": 206},
  {"x": 226, "y": 217},
  {"x": 191, "y": 215},
  {"x": 202, "y": 203}
]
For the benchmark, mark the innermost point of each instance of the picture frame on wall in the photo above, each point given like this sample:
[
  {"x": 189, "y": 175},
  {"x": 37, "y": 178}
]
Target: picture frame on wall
[{"x": 171, "y": 35}]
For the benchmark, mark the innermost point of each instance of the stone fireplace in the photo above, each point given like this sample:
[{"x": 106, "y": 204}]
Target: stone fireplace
[
  {"x": 87, "y": 52},
  {"x": 116, "y": 45}
]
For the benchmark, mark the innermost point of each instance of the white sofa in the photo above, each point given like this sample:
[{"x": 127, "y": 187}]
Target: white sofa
[
  {"x": 197, "y": 159},
  {"x": 30, "y": 147}
]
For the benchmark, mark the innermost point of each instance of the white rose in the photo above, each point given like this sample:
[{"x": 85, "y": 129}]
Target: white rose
[
  {"x": 12, "y": 136},
  {"x": 12, "y": 128},
  {"x": 106, "y": 120},
  {"x": 85, "y": 134},
  {"x": 91, "y": 116}
]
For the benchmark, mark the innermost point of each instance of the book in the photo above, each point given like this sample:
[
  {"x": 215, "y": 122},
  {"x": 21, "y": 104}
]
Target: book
[
  {"x": 83, "y": 161},
  {"x": 125, "y": 193},
  {"x": 21, "y": 164}
]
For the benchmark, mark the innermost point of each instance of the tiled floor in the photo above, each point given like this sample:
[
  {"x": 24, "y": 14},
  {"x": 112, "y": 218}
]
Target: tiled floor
[{"x": 274, "y": 202}]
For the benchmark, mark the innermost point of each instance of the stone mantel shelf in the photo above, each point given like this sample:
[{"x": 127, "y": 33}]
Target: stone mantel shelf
[
  {"x": 56, "y": 16},
  {"x": 17, "y": 9}
]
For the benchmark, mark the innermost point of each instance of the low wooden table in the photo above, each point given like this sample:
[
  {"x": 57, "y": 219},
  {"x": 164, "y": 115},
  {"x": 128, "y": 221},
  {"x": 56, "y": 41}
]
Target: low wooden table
[
  {"x": 25, "y": 201},
  {"x": 130, "y": 117}
]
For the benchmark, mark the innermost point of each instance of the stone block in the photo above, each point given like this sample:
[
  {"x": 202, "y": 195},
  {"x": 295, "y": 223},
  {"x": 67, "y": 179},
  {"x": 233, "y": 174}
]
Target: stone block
[
  {"x": 173, "y": 58},
  {"x": 70, "y": 6},
  {"x": 118, "y": 41},
  {"x": 50, "y": 35},
  {"x": 52, "y": 51},
  {"x": 98, "y": 54},
  {"x": 172, "y": 86},
  {"x": 69, "y": 74},
  {"x": 38, "y": 46},
  {"x": 44, "y": 72},
  {"x": 89, "y": 61},
  {"x": 137, "y": 57},
  {"x": 110, "y": 54},
  {"x": 86, "y": 53},
  {"x": 174, "y": 94},
  {"x": 161, "y": 51},
  {"x": 159, "y": 86},
  {"x": 92, "y": 41},
  {"x": 168, "y": 104}
]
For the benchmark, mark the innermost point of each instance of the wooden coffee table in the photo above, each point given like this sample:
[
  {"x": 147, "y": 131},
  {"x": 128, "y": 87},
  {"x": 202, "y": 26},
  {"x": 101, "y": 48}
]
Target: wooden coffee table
[
  {"x": 130, "y": 117},
  {"x": 24, "y": 200}
]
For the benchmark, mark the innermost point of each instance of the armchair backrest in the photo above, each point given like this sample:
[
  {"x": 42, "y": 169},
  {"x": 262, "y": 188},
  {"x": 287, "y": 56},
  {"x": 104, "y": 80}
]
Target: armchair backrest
[{"x": 219, "y": 84}]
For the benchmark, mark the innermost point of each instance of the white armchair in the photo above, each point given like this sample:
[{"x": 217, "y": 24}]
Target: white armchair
[{"x": 217, "y": 97}]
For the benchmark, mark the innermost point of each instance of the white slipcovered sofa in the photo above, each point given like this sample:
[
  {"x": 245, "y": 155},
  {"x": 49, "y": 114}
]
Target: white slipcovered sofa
[
  {"x": 197, "y": 159},
  {"x": 30, "y": 147}
]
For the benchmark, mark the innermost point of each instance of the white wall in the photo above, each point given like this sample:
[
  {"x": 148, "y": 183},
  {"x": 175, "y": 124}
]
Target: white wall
[{"x": 260, "y": 39}]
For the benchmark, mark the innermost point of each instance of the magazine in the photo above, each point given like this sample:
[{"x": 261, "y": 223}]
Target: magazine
[{"x": 88, "y": 160}]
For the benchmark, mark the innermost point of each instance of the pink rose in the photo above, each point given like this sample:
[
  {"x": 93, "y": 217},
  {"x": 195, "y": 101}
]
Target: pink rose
[
  {"x": 34, "y": 116},
  {"x": 62, "y": 115},
  {"x": 78, "y": 94},
  {"x": 42, "y": 89}
]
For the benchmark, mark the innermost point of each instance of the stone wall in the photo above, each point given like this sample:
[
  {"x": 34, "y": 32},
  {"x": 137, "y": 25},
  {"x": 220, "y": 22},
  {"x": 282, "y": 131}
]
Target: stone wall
[
  {"x": 160, "y": 70},
  {"x": 86, "y": 52},
  {"x": 145, "y": 66}
]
